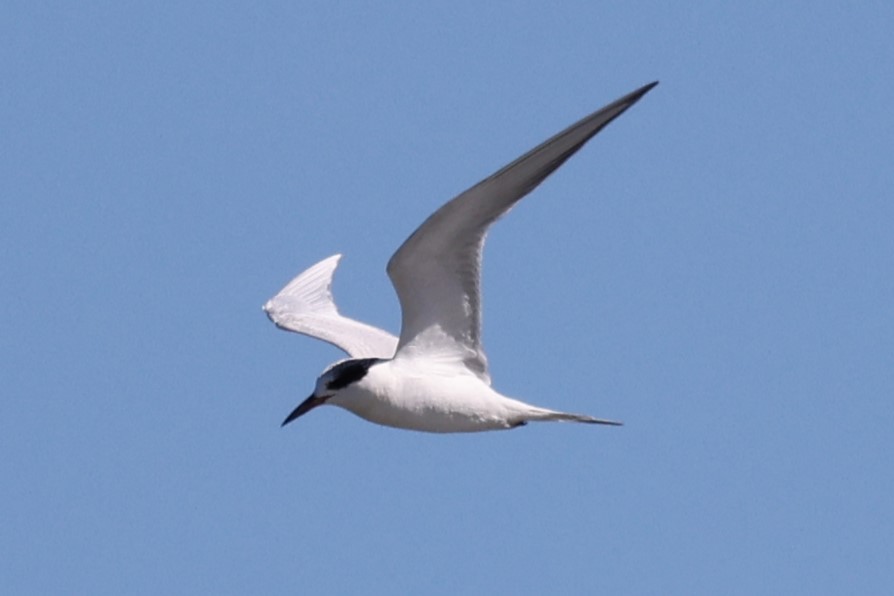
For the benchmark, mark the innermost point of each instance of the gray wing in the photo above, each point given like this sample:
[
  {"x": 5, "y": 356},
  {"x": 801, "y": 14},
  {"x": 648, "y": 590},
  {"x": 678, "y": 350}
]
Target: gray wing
[
  {"x": 436, "y": 271},
  {"x": 306, "y": 306}
]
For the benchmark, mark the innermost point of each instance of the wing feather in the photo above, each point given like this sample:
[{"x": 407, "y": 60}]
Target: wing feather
[
  {"x": 436, "y": 271},
  {"x": 306, "y": 306}
]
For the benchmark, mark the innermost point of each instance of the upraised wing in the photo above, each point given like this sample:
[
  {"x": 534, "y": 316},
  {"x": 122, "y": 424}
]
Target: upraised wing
[
  {"x": 306, "y": 306},
  {"x": 437, "y": 270}
]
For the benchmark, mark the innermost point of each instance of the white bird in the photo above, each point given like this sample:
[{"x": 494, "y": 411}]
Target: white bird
[{"x": 434, "y": 377}]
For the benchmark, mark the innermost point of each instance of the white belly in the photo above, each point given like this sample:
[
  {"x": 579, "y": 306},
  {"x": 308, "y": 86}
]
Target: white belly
[{"x": 430, "y": 403}]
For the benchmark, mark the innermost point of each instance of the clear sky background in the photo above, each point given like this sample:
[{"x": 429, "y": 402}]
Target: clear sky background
[{"x": 716, "y": 269}]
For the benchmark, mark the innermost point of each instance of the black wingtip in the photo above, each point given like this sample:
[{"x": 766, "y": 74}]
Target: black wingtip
[{"x": 636, "y": 95}]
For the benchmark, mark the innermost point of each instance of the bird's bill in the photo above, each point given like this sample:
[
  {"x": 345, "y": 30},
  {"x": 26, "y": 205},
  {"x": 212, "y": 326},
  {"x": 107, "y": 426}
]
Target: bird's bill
[{"x": 304, "y": 407}]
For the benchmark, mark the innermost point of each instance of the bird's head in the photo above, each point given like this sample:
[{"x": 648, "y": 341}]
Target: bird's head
[{"x": 335, "y": 378}]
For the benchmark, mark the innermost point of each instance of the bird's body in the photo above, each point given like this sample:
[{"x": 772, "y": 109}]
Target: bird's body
[
  {"x": 434, "y": 377},
  {"x": 417, "y": 396},
  {"x": 426, "y": 399}
]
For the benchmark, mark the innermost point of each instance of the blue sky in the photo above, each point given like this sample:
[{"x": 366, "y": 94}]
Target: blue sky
[{"x": 716, "y": 269}]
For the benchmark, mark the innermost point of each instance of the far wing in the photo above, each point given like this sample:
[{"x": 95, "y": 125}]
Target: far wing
[
  {"x": 436, "y": 272},
  {"x": 306, "y": 306}
]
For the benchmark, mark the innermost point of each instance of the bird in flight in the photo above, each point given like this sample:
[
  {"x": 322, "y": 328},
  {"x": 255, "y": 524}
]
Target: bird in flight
[{"x": 434, "y": 377}]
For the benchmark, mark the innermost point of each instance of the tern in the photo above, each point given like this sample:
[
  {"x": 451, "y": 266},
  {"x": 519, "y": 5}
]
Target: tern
[{"x": 434, "y": 377}]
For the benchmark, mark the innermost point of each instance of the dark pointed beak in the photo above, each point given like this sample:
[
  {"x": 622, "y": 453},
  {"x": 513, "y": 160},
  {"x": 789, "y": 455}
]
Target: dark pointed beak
[{"x": 306, "y": 406}]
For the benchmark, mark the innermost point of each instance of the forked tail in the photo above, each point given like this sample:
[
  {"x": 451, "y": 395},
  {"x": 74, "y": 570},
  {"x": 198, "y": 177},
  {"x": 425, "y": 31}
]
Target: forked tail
[{"x": 543, "y": 415}]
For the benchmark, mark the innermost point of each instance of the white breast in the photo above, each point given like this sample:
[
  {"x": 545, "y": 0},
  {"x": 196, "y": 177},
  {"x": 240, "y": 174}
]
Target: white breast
[{"x": 396, "y": 394}]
